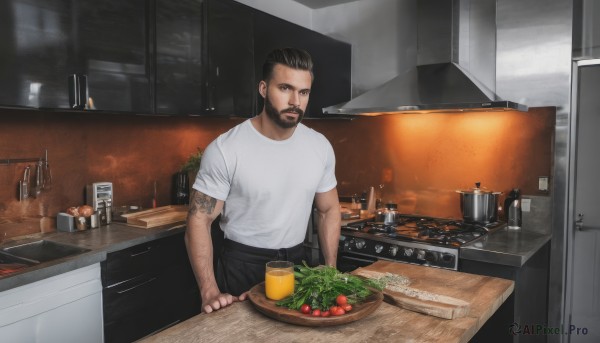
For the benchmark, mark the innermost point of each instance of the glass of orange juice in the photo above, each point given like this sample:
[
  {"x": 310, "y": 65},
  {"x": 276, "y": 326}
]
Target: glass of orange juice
[{"x": 279, "y": 279}]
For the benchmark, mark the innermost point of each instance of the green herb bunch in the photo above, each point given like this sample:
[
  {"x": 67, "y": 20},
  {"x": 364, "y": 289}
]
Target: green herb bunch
[
  {"x": 193, "y": 162},
  {"x": 319, "y": 286}
]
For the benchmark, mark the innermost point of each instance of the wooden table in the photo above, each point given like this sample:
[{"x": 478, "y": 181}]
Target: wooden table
[{"x": 240, "y": 322}]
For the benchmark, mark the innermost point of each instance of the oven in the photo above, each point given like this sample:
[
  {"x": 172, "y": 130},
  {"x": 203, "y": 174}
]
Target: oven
[
  {"x": 421, "y": 240},
  {"x": 349, "y": 261}
]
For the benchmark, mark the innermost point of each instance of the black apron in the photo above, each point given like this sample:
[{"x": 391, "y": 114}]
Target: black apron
[{"x": 239, "y": 267}]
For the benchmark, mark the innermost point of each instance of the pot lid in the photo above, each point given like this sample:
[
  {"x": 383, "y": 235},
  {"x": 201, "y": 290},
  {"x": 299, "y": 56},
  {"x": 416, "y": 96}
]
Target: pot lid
[{"x": 477, "y": 190}]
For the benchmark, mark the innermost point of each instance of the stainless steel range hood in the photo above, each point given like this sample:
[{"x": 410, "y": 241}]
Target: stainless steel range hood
[{"x": 437, "y": 83}]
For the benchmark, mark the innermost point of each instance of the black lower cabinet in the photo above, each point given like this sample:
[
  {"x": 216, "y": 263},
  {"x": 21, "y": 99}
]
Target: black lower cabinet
[
  {"x": 147, "y": 288},
  {"x": 528, "y": 305}
]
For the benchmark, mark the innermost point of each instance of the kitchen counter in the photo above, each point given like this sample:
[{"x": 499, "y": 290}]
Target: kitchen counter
[
  {"x": 505, "y": 247},
  {"x": 388, "y": 323},
  {"x": 100, "y": 241}
]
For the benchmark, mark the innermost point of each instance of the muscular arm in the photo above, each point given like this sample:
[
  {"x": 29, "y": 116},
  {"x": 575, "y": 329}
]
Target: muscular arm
[
  {"x": 329, "y": 224},
  {"x": 203, "y": 211}
]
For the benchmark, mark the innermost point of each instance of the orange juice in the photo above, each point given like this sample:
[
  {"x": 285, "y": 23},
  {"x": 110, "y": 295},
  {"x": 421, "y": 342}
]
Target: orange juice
[{"x": 279, "y": 283}]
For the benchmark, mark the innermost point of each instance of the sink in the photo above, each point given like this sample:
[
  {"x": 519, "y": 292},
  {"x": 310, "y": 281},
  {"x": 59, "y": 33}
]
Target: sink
[
  {"x": 10, "y": 264},
  {"x": 42, "y": 251},
  {"x": 6, "y": 258}
]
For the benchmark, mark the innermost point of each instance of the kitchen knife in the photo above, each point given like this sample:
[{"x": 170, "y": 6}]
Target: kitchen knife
[
  {"x": 39, "y": 178},
  {"x": 25, "y": 184},
  {"x": 47, "y": 174}
]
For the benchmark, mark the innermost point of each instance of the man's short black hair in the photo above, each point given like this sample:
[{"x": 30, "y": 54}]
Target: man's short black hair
[{"x": 291, "y": 57}]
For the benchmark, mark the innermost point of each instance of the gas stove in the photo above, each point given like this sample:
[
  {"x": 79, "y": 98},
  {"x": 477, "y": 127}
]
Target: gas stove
[{"x": 413, "y": 239}]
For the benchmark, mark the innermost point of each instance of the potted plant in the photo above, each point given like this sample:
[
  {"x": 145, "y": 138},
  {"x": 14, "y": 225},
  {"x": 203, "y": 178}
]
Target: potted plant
[
  {"x": 187, "y": 176},
  {"x": 192, "y": 165}
]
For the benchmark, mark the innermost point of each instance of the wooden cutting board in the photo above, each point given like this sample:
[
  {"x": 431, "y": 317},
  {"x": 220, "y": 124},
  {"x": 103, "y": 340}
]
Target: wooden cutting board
[
  {"x": 415, "y": 290},
  {"x": 164, "y": 215}
]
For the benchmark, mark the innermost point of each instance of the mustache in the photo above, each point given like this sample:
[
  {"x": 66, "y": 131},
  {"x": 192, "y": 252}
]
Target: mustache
[{"x": 293, "y": 110}]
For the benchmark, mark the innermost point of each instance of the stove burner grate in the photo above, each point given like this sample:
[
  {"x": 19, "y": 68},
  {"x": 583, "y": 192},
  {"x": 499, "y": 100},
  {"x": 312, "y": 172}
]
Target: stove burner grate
[
  {"x": 437, "y": 231},
  {"x": 382, "y": 228}
]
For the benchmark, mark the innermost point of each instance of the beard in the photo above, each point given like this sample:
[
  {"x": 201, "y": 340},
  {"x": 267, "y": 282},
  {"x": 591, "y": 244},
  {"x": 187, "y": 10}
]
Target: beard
[{"x": 280, "y": 118}]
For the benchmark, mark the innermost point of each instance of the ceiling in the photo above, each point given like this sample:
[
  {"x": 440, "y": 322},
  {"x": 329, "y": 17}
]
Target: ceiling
[{"x": 322, "y": 3}]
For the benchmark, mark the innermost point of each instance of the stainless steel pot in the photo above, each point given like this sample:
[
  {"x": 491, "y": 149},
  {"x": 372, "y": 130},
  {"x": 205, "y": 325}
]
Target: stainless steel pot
[
  {"x": 479, "y": 205},
  {"x": 388, "y": 215}
]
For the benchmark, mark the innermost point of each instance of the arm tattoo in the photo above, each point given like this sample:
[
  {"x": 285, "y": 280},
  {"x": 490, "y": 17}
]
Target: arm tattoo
[{"x": 201, "y": 203}]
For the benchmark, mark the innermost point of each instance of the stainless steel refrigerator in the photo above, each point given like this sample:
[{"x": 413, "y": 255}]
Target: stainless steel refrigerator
[{"x": 583, "y": 232}]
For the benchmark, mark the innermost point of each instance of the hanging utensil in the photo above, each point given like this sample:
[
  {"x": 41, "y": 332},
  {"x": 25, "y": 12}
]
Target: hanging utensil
[
  {"x": 25, "y": 184},
  {"x": 39, "y": 178},
  {"x": 47, "y": 173}
]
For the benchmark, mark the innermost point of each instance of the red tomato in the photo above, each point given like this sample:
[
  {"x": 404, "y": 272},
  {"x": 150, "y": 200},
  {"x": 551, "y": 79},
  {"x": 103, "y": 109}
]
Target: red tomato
[
  {"x": 325, "y": 313},
  {"x": 338, "y": 312},
  {"x": 305, "y": 309},
  {"x": 347, "y": 307},
  {"x": 316, "y": 313},
  {"x": 341, "y": 300},
  {"x": 333, "y": 308}
]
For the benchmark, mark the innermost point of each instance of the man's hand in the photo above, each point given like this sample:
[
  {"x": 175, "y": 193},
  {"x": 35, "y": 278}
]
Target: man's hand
[
  {"x": 218, "y": 300},
  {"x": 203, "y": 210}
]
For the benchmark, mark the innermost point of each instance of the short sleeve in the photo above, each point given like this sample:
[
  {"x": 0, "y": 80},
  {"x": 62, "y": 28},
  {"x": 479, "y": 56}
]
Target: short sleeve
[
  {"x": 328, "y": 181},
  {"x": 213, "y": 177}
]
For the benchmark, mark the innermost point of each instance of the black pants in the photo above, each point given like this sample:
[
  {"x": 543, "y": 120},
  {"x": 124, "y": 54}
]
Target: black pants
[{"x": 240, "y": 266}]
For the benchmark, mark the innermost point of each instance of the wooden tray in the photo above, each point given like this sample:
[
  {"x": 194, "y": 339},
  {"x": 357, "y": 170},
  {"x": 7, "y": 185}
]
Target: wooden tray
[
  {"x": 157, "y": 216},
  {"x": 267, "y": 307}
]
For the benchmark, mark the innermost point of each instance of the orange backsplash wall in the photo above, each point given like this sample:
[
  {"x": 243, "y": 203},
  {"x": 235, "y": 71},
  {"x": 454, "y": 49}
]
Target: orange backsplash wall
[
  {"x": 130, "y": 151},
  {"x": 420, "y": 159}
]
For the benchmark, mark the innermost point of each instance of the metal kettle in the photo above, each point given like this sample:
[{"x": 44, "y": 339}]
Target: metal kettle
[
  {"x": 512, "y": 209},
  {"x": 387, "y": 215}
]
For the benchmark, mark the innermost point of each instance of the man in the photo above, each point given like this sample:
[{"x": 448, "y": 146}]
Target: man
[{"x": 262, "y": 176}]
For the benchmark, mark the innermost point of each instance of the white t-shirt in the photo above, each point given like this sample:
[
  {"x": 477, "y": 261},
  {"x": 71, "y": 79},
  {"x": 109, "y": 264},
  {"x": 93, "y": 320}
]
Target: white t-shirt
[{"x": 268, "y": 186}]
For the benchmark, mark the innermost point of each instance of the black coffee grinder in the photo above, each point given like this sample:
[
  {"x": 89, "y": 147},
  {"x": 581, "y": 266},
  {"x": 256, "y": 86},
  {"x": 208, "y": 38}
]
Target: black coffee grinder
[
  {"x": 181, "y": 188},
  {"x": 512, "y": 209}
]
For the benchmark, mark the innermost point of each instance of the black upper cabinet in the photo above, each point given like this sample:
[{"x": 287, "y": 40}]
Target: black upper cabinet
[
  {"x": 113, "y": 49},
  {"x": 204, "y": 58},
  {"x": 191, "y": 57},
  {"x": 230, "y": 74},
  {"x": 179, "y": 62},
  {"x": 234, "y": 42},
  {"x": 331, "y": 59},
  {"x": 45, "y": 41},
  {"x": 36, "y": 51}
]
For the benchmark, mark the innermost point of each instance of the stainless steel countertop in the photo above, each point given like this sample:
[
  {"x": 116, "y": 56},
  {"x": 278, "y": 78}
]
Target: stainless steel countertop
[
  {"x": 100, "y": 241},
  {"x": 506, "y": 247}
]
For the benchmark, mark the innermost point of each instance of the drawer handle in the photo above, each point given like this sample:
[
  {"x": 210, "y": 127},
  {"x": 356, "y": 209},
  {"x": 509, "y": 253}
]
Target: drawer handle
[
  {"x": 136, "y": 286},
  {"x": 142, "y": 252}
]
